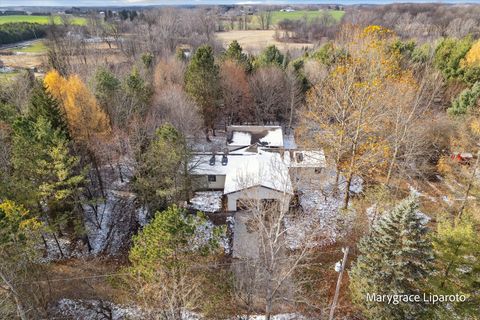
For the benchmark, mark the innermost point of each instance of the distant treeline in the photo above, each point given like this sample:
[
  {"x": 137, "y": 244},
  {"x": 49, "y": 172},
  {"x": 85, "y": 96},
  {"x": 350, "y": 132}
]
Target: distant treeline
[
  {"x": 13, "y": 13},
  {"x": 20, "y": 31}
]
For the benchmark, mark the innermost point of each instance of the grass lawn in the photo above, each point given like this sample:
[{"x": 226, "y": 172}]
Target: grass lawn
[
  {"x": 40, "y": 19},
  {"x": 278, "y": 16},
  {"x": 5, "y": 78},
  {"x": 34, "y": 47}
]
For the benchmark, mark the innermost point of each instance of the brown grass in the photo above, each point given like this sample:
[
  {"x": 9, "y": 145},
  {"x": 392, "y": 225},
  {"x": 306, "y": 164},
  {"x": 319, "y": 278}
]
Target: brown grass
[{"x": 255, "y": 40}]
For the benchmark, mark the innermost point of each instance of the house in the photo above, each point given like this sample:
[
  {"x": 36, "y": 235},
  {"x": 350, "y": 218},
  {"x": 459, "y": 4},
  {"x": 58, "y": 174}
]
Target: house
[{"x": 254, "y": 165}]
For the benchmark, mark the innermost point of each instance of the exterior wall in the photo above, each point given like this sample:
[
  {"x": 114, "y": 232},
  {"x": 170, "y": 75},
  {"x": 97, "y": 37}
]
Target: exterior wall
[
  {"x": 202, "y": 183},
  {"x": 258, "y": 193}
]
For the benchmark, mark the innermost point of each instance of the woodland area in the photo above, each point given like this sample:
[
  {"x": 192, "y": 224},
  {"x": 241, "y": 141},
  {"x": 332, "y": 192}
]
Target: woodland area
[{"x": 95, "y": 181}]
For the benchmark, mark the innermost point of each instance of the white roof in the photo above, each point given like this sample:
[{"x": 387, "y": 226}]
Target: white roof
[
  {"x": 241, "y": 136},
  {"x": 265, "y": 169},
  {"x": 246, "y": 170},
  {"x": 241, "y": 139}
]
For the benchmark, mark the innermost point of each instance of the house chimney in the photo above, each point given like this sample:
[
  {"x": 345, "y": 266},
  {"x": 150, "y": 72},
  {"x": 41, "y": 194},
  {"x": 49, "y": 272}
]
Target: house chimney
[{"x": 224, "y": 157}]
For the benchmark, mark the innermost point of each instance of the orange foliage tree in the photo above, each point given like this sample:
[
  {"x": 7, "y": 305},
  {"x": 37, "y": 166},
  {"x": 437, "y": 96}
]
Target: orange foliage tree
[{"x": 86, "y": 120}]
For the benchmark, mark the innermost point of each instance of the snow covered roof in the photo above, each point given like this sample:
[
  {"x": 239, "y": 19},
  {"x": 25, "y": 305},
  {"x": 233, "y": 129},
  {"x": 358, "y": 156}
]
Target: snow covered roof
[
  {"x": 306, "y": 159},
  {"x": 242, "y": 136},
  {"x": 200, "y": 164},
  {"x": 265, "y": 169}
]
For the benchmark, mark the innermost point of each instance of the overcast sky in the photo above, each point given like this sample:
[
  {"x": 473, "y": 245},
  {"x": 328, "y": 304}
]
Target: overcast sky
[{"x": 4, "y": 3}]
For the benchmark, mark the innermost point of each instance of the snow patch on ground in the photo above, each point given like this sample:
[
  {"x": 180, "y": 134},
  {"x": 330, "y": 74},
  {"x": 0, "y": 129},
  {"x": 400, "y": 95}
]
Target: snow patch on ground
[
  {"x": 321, "y": 210},
  {"x": 207, "y": 201},
  {"x": 284, "y": 316},
  {"x": 111, "y": 219},
  {"x": 97, "y": 309},
  {"x": 61, "y": 248}
]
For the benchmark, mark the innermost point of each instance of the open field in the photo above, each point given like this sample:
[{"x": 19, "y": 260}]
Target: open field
[
  {"x": 7, "y": 77},
  {"x": 41, "y": 19},
  {"x": 32, "y": 47},
  {"x": 256, "y": 40},
  {"x": 20, "y": 61},
  {"x": 278, "y": 16}
]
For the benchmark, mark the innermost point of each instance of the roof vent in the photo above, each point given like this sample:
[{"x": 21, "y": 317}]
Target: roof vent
[
  {"x": 212, "y": 160},
  {"x": 224, "y": 160}
]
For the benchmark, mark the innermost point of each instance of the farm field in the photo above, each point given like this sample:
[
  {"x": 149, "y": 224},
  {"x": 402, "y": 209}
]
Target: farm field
[
  {"x": 278, "y": 16},
  {"x": 34, "y": 47},
  {"x": 40, "y": 19},
  {"x": 255, "y": 40}
]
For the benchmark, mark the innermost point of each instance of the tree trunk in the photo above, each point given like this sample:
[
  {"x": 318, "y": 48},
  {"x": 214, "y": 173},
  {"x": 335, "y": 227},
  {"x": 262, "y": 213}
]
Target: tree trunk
[
  {"x": 346, "y": 198},
  {"x": 97, "y": 171},
  {"x": 391, "y": 166}
]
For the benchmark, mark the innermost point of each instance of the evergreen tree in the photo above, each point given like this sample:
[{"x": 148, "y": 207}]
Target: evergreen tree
[
  {"x": 43, "y": 104},
  {"x": 465, "y": 101},
  {"x": 165, "y": 257},
  {"x": 106, "y": 85},
  {"x": 162, "y": 178},
  {"x": 457, "y": 268},
  {"x": 44, "y": 172},
  {"x": 138, "y": 92},
  {"x": 395, "y": 258},
  {"x": 270, "y": 56},
  {"x": 449, "y": 54},
  {"x": 202, "y": 83},
  {"x": 235, "y": 53}
]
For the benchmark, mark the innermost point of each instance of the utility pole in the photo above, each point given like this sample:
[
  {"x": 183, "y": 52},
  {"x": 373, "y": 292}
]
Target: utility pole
[{"x": 339, "y": 282}]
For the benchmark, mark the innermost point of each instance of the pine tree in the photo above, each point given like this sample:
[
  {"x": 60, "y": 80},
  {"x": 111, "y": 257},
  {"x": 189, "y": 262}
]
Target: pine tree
[
  {"x": 465, "y": 101},
  {"x": 165, "y": 259},
  {"x": 235, "y": 53},
  {"x": 457, "y": 268},
  {"x": 45, "y": 173},
  {"x": 43, "y": 104},
  {"x": 161, "y": 179},
  {"x": 202, "y": 83},
  {"x": 395, "y": 258},
  {"x": 270, "y": 56}
]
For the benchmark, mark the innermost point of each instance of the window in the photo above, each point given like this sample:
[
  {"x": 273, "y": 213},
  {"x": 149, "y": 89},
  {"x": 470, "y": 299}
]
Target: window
[
  {"x": 299, "y": 156},
  {"x": 212, "y": 178}
]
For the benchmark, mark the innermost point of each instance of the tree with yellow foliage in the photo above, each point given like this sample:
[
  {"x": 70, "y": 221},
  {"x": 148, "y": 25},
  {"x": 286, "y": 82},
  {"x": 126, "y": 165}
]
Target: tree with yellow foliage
[
  {"x": 345, "y": 110},
  {"x": 87, "y": 122}
]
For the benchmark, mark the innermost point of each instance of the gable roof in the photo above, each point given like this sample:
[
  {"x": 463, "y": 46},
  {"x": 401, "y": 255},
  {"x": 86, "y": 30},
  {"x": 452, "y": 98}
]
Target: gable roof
[{"x": 266, "y": 169}]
